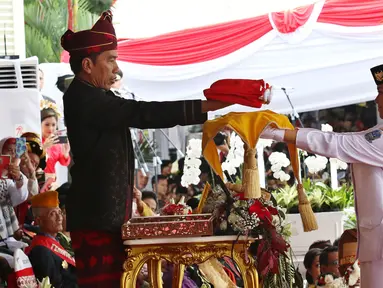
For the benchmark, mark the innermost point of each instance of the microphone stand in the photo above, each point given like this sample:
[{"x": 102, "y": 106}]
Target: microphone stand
[
  {"x": 294, "y": 115},
  {"x": 137, "y": 146}
]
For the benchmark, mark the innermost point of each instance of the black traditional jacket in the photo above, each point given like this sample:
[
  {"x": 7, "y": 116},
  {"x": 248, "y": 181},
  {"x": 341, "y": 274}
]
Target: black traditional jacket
[{"x": 98, "y": 124}]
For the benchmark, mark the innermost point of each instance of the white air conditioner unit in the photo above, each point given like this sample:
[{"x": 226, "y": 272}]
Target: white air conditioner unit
[{"x": 19, "y": 97}]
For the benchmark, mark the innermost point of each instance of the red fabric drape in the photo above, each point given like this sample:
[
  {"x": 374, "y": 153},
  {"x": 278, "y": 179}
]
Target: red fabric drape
[
  {"x": 194, "y": 45},
  {"x": 352, "y": 13},
  {"x": 211, "y": 42},
  {"x": 291, "y": 20}
]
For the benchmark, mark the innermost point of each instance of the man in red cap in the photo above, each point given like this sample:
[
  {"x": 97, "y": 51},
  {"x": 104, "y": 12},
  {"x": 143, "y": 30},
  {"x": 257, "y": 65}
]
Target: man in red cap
[{"x": 100, "y": 198}]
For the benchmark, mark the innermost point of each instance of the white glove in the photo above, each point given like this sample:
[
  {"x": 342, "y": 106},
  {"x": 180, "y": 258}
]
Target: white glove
[{"x": 275, "y": 134}]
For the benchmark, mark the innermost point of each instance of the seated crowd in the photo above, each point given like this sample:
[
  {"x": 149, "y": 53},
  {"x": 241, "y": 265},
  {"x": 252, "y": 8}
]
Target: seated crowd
[{"x": 326, "y": 262}]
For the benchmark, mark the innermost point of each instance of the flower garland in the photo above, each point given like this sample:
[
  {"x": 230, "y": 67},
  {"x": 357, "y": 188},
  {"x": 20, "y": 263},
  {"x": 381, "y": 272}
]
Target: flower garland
[
  {"x": 279, "y": 160},
  {"x": 192, "y": 163},
  {"x": 350, "y": 279},
  {"x": 352, "y": 275},
  {"x": 330, "y": 281}
]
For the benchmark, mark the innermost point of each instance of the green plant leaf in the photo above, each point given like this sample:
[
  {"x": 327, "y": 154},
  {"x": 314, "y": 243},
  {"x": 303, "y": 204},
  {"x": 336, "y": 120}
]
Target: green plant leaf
[{"x": 95, "y": 6}]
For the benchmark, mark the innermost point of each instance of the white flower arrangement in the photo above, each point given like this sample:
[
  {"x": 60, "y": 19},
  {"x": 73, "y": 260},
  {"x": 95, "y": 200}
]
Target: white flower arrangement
[
  {"x": 279, "y": 160},
  {"x": 316, "y": 163},
  {"x": 235, "y": 156},
  {"x": 263, "y": 143},
  {"x": 340, "y": 165},
  {"x": 192, "y": 163}
]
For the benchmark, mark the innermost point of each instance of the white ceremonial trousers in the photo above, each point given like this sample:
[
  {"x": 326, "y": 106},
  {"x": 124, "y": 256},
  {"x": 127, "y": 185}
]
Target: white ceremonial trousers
[{"x": 364, "y": 151}]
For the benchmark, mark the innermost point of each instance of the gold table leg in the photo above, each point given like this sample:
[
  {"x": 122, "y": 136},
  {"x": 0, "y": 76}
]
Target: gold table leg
[
  {"x": 154, "y": 273},
  {"x": 178, "y": 275}
]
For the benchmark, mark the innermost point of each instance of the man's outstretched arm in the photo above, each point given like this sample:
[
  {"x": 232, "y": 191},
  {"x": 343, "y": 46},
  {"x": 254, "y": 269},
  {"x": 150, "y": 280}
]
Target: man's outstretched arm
[{"x": 362, "y": 147}]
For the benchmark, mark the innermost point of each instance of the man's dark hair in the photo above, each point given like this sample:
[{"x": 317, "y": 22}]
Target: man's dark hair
[
  {"x": 165, "y": 163},
  {"x": 159, "y": 177},
  {"x": 219, "y": 139},
  {"x": 149, "y": 195},
  {"x": 308, "y": 262},
  {"x": 193, "y": 203},
  {"x": 323, "y": 258},
  {"x": 321, "y": 244},
  {"x": 336, "y": 242},
  {"x": 76, "y": 62},
  {"x": 181, "y": 190}
]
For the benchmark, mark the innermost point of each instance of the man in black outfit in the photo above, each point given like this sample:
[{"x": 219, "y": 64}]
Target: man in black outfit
[{"x": 100, "y": 197}]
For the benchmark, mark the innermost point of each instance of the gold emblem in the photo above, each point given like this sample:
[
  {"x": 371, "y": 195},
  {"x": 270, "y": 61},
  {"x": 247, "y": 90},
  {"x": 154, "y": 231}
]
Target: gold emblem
[
  {"x": 64, "y": 264},
  {"x": 379, "y": 76}
]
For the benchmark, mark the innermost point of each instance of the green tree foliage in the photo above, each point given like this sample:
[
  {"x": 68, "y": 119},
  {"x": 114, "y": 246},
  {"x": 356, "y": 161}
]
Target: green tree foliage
[{"x": 47, "y": 20}]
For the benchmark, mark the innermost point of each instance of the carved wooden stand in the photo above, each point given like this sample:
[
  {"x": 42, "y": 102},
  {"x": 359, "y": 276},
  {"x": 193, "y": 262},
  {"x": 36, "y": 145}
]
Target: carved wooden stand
[{"x": 184, "y": 252}]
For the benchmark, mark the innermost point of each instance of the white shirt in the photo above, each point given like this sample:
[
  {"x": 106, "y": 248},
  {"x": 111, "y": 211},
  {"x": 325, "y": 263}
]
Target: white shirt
[
  {"x": 364, "y": 151},
  {"x": 17, "y": 196}
]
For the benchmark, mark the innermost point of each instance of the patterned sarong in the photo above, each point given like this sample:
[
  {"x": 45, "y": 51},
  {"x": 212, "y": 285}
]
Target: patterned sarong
[{"x": 99, "y": 258}]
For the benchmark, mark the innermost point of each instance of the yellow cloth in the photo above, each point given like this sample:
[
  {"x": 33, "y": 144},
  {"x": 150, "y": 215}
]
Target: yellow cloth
[
  {"x": 249, "y": 127},
  {"x": 146, "y": 211},
  {"x": 49, "y": 199},
  {"x": 214, "y": 273}
]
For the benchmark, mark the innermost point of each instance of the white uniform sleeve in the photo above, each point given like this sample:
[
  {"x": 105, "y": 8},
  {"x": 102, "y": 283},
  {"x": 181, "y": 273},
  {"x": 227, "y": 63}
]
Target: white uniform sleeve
[
  {"x": 348, "y": 147},
  {"x": 33, "y": 187},
  {"x": 18, "y": 196}
]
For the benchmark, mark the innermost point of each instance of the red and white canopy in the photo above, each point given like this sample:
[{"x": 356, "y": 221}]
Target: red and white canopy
[{"x": 323, "y": 51}]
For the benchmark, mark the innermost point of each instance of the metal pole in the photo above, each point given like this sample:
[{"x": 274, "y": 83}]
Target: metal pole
[
  {"x": 155, "y": 161},
  {"x": 171, "y": 142},
  {"x": 158, "y": 159}
]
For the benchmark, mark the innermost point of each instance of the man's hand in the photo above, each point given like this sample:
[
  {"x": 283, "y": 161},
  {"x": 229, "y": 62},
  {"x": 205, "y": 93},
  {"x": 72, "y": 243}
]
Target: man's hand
[
  {"x": 280, "y": 135},
  {"x": 210, "y": 105},
  {"x": 28, "y": 168},
  {"x": 137, "y": 194},
  {"x": 18, "y": 235},
  {"x": 14, "y": 172}
]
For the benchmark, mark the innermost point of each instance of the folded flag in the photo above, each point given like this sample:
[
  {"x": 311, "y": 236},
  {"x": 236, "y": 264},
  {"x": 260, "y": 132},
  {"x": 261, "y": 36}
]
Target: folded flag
[{"x": 247, "y": 92}]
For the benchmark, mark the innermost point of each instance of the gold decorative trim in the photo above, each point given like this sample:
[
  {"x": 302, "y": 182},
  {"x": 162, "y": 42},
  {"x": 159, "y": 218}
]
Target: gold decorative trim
[
  {"x": 103, "y": 33},
  {"x": 100, "y": 45}
]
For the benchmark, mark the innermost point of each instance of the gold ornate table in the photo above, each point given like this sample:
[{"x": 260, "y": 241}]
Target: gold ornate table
[{"x": 184, "y": 252}]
